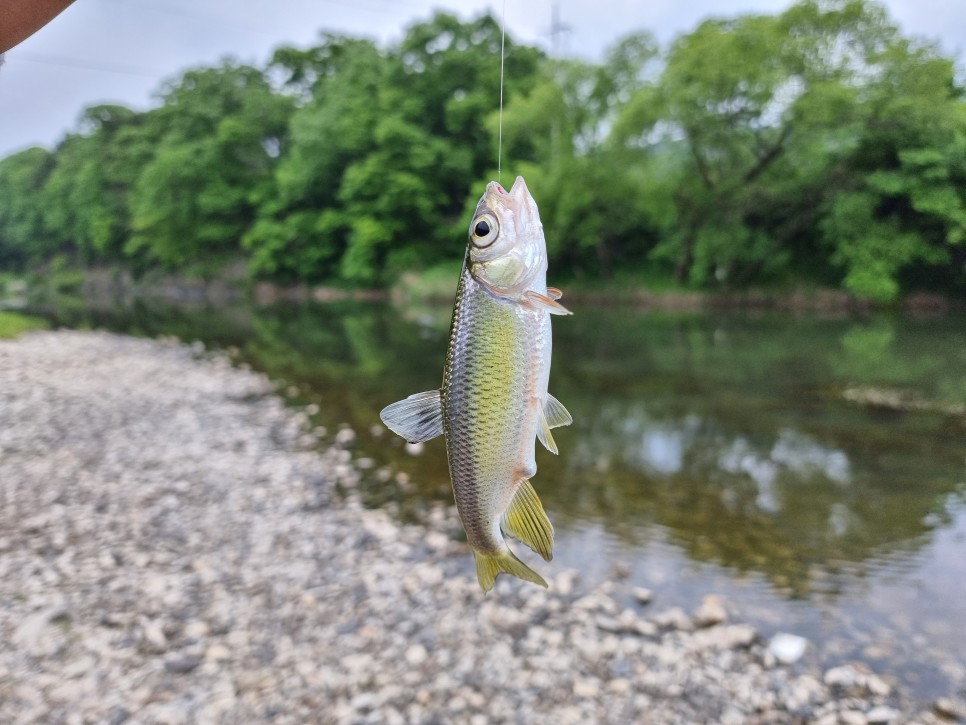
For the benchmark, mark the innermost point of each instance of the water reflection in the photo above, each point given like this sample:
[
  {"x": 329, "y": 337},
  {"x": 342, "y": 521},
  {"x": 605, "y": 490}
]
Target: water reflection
[{"x": 730, "y": 431}]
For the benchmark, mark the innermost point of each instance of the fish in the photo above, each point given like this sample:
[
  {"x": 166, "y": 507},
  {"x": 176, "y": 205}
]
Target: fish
[{"x": 493, "y": 404}]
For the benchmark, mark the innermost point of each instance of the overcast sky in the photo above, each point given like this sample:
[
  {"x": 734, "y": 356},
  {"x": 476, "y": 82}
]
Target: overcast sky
[{"x": 120, "y": 50}]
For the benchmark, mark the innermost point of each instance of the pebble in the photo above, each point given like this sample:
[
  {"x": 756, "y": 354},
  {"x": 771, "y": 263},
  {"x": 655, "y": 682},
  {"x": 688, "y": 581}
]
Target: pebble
[
  {"x": 586, "y": 688},
  {"x": 154, "y": 637},
  {"x": 844, "y": 676},
  {"x": 183, "y": 664},
  {"x": 852, "y": 717},
  {"x": 197, "y": 582},
  {"x": 711, "y": 612},
  {"x": 196, "y": 629},
  {"x": 787, "y": 648},
  {"x": 876, "y": 686},
  {"x": 218, "y": 653},
  {"x": 620, "y": 570},
  {"x": 642, "y": 594},
  {"x": 416, "y": 655},
  {"x": 118, "y": 715},
  {"x": 565, "y": 582},
  {"x": 345, "y": 436},
  {"x": 415, "y": 449},
  {"x": 951, "y": 707},
  {"x": 674, "y": 618},
  {"x": 882, "y": 715},
  {"x": 619, "y": 686},
  {"x": 38, "y": 634}
]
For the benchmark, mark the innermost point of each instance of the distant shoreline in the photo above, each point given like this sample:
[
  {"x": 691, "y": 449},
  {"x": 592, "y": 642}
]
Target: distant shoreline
[{"x": 109, "y": 285}]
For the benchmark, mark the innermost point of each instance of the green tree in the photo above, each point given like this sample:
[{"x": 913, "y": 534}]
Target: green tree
[
  {"x": 592, "y": 196},
  {"x": 722, "y": 102},
  {"x": 221, "y": 131},
  {"x": 85, "y": 198},
  {"x": 383, "y": 149},
  {"x": 774, "y": 132},
  {"x": 899, "y": 208},
  {"x": 818, "y": 145},
  {"x": 22, "y": 235},
  {"x": 300, "y": 229}
]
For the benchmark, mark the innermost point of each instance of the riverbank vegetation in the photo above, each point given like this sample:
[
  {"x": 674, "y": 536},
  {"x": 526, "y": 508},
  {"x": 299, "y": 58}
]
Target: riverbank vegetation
[
  {"x": 13, "y": 324},
  {"x": 819, "y": 147}
]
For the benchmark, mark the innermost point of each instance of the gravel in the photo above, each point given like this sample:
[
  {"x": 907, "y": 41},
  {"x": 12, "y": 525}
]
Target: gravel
[{"x": 174, "y": 548}]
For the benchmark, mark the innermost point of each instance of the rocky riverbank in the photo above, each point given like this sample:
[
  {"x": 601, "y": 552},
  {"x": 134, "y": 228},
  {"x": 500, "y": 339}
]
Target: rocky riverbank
[{"x": 174, "y": 549}]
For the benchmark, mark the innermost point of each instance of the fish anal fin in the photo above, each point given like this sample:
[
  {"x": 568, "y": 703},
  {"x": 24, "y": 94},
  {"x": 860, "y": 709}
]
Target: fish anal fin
[
  {"x": 554, "y": 293},
  {"x": 417, "y": 418},
  {"x": 555, "y": 413},
  {"x": 526, "y": 521},
  {"x": 488, "y": 566},
  {"x": 542, "y": 302}
]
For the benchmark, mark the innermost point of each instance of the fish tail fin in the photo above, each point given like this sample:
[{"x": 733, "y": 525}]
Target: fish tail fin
[{"x": 489, "y": 565}]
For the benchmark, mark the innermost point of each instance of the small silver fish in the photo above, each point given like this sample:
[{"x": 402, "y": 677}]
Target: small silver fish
[{"x": 493, "y": 404}]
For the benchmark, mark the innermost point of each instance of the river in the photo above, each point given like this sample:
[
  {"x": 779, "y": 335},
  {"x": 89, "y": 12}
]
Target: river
[{"x": 811, "y": 471}]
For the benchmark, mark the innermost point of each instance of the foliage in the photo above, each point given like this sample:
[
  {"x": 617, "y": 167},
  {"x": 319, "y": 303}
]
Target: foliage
[
  {"x": 815, "y": 146},
  {"x": 783, "y": 125},
  {"x": 221, "y": 129},
  {"x": 13, "y": 324},
  {"x": 382, "y": 151},
  {"x": 22, "y": 177}
]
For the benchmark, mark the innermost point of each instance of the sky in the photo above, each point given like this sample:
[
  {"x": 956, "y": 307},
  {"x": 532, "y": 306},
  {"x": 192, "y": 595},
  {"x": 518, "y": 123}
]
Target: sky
[{"x": 120, "y": 51}]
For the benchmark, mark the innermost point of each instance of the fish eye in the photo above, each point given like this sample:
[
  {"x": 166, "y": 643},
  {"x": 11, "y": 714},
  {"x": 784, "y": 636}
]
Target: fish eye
[{"x": 484, "y": 230}]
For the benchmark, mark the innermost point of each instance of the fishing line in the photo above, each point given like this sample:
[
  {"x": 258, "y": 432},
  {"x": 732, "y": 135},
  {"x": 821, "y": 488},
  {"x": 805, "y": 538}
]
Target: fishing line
[{"x": 499, "y": 148}]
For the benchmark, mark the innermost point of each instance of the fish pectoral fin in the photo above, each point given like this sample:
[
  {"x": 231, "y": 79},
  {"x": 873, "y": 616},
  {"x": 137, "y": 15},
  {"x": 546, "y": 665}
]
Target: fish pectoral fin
[
  {"x": 526, "y": 521},
  {"x": 554, "y": 293},
  {"x": 545, "y": 436},
  {"x": 489, "y": 565},
  {"x": 555, "y": 413},
  {"x": 417, "y": 418},
  {"x": 542, "y": 302}
]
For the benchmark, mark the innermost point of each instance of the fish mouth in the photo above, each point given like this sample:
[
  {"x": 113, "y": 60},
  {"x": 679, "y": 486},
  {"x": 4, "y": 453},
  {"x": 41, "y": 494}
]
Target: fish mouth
[{"x": 519, "y": 189}]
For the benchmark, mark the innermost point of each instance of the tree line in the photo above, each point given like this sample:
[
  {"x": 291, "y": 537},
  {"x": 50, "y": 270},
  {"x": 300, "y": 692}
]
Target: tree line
[{"x": 818, "y": 146}]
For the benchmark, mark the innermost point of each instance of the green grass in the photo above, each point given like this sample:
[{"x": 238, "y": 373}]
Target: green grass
[{"x": 13, "y": 324}]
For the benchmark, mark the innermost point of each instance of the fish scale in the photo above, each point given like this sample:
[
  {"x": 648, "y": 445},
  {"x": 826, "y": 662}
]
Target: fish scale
[{"x": 491, "y": 343}]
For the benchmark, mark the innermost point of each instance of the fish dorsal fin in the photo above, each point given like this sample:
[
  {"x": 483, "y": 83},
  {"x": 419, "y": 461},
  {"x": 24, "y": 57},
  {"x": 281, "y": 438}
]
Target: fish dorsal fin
[
  {"x": 417, "y": 418},
  {"x": 541, "y": 302},
  {"x": 526, "y": 521},
  {"x": 555, "y": 413}
]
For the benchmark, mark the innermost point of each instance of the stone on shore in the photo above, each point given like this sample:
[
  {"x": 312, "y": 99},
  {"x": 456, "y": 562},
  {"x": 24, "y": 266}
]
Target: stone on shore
[{"x": 787, "y": 648}]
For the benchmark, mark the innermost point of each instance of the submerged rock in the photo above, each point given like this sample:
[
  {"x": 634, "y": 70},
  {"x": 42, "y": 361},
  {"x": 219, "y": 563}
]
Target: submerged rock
[
  {"x": 642, "y": 594},
  {"x": 711, "y": 612}
]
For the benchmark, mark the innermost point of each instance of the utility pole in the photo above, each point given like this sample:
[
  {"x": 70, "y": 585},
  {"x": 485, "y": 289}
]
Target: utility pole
[{"x": 558, "y": 29}]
